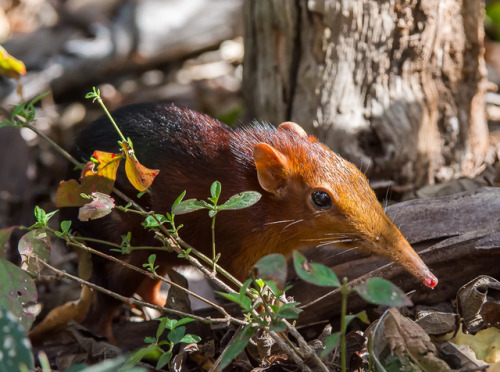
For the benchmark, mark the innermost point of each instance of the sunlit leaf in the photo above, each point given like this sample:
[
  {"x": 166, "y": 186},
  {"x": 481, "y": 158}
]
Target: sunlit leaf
[
  {"x": 242, "y": 200},
  {"x": 139, "y": 176},
  {"x": 100, "y": 206},
  {"x": 10, "y": 66},
  {"x": 91, "y": 180},
  {"x": 33, "y": 246},
  {"x": 188, "y": 206}
]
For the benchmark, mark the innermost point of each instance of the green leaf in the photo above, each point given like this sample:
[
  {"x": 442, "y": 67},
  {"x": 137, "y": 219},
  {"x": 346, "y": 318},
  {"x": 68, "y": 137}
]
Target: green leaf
[
  {"x": 177, "y": 334},
  {"x": 272, "y": 267},
  {"x": 149, "y": 340},
  {"x": 215, "y": 190},
  {"x": 42, "y": 217},
  {"x": 331, "y": 343},
  {"x": 150, "y": 221},
  {"x": 314, "y": 273},
  {"x": 191, "y": 339},
  {"x": 179, "y": 199},
  {"x": 242, "y": 200},
  {"x": 188, "y": 206},
  {"x": 382, "y": 292},
  {"x": 161, "y": 327},
  {"x": 289, "y": 310},
  {"x": 361, "y": 316},
  {"x": 17, "y": 289},
  {"x": 15, "y": 346},
  {"x": 164, "y": 359},
  {"x": 273, "y": 287},
  {"x": 38, "y": 98},
  {"x": 177, "y": 323},
  {"x": 151, "y": 351},
  {"x": 65, "y": 226},
  {"x": 278, "y": 326},
  {"x": 244, "y": 301},
  {"x": 237, "y": 346}
]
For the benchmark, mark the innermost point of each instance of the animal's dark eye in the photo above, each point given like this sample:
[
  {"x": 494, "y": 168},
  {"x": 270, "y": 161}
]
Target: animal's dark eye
[{"x": 321, "y": 199}]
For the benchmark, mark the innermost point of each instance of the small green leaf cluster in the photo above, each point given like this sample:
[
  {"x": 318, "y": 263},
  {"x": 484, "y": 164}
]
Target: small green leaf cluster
[
  {"x": 155, "y": 350},
  {"x": 23, "y": 114},
  {"x": 377, "y": 291},
  {"x": 238, "y": 201},
  {"x": 150, "y": 265},
  {"x": 42, "y": 217},
  {"x": 264, "y": 304},
  {"x": 156, "y": 220}
]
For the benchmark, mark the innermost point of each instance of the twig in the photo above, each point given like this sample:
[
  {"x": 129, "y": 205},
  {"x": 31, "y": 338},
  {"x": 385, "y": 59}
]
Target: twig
[
  {"x": 133, "y": 301},
  {"x": 149, "y": 274}
]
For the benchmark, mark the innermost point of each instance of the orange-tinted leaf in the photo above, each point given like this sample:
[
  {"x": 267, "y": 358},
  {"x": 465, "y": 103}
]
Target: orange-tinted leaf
[
  {"x": 139, "y": 176},
  {"x": 68, "y": 192},
  {"x": 100, "y": 206},
  {"x": 10, "y": 66},
  {"x": 108, "y": 164}
]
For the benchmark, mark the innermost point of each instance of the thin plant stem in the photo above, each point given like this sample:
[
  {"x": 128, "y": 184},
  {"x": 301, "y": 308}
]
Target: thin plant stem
[
  {"x": 344, "y": 291},
  {"x": 103, "y": 106},
  {"x": 133, "y": 301},
  {"x": 214, "y": 262}
]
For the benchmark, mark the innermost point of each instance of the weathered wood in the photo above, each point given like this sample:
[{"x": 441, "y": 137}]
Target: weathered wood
[
  {"x": 398, "y": 85},
  {"x": 457, "y": 236}
]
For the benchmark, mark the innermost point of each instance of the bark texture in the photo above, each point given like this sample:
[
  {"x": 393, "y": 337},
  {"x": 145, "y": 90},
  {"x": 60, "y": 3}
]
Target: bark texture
[{"x": 395, "y": 86}]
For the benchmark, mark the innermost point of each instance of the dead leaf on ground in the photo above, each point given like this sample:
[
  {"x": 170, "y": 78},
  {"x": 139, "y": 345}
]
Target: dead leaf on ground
[
  {"x": 402, "y": 338},
  {"x": 485, "y": 343},
  {"x": 478, "y": 303}
]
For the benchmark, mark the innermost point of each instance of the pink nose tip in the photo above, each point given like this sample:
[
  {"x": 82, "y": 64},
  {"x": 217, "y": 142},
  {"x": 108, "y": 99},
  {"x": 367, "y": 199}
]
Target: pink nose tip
[{"x": 430, "y": 280}]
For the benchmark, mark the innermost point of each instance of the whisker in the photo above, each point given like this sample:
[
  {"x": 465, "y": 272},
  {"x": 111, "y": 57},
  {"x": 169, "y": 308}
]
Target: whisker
[
  {"x": 341, "y": 252},
  {"x": 386, "y": 200},
  {"x": 276, "y": 222},
  {"x": 329, "y": 241},
  {"x": 291, "y": 236},
  {"x": 332, "y": 242},
  {"x": 340, "y": 234},
  {"x": 290, "y": 224}
]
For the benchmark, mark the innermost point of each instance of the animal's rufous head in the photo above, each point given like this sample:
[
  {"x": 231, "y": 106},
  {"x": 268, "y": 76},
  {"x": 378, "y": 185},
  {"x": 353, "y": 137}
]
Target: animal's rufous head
[{"x": 329, "y": 201}]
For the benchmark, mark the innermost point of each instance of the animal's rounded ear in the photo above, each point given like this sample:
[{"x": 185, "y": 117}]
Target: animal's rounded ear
[
  {"x": 272, "y": 167},
  {"x": 295, "y": 128}
]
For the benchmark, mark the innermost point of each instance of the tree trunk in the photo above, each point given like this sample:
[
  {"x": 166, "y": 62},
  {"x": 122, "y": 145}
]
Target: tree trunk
[{"x": 395, "y": 86}]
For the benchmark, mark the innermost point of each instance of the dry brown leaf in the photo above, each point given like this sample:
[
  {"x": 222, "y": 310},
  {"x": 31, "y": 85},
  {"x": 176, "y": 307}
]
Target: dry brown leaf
[{"x": 410, "y": 343}]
